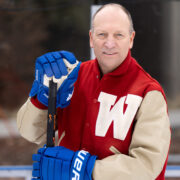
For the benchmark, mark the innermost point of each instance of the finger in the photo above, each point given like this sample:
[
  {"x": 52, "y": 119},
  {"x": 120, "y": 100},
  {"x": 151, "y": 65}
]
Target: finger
[
  {"x": 69, "y": 56},
  {"x": 53, "y": 64},
  {"x": 62, "y": 67},
  {"x": 41, "y": 150},
  {"x": 42, "y": 60},
  {"x": 45, "y": 64},
  {"x": 36, "y": 157},
  {"x": 48, "y": 70},
  {"x": 36, "y": 165},
  {"x": 56, "y": 70},
  {"x": 35, "y": 173},
  {"x": 56, "y": 55}
]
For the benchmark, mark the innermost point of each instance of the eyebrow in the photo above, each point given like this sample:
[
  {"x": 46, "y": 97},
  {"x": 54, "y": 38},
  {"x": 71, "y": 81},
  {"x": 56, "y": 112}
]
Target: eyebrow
[{"x": 100, "y": 30}]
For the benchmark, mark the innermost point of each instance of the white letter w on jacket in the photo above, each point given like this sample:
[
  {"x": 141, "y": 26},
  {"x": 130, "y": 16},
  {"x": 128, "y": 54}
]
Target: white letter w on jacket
[{"x": 122, "y": 121}]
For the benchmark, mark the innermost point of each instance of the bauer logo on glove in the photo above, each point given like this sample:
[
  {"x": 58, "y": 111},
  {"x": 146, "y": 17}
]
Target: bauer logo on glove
[{"x": 63, "y": 68}]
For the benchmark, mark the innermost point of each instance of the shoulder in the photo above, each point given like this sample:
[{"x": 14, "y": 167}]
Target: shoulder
[{"x": 145, "y": 79}]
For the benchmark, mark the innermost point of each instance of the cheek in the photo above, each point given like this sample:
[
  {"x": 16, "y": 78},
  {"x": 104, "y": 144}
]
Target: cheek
[
  {"x": 124, "y": 46},
  {"x": 96, "y": 44}
]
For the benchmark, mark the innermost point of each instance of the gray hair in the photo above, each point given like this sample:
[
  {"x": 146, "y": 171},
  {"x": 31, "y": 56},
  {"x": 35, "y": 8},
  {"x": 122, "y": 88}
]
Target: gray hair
[{"x": 131, "y": 29}]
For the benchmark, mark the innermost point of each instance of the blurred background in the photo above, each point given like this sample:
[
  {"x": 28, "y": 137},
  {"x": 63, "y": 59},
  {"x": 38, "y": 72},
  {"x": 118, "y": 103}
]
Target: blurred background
[{"x": 31, "y": 28}]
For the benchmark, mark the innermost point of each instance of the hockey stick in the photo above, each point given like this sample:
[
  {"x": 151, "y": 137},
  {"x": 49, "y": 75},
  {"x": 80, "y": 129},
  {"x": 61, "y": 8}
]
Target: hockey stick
[{"x": 51, "y": 122}]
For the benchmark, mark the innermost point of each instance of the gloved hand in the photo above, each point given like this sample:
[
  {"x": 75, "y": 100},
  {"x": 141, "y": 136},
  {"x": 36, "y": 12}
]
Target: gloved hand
[
  {"x": 63, "y": 68},
  {"x": 60, "y": 163}
]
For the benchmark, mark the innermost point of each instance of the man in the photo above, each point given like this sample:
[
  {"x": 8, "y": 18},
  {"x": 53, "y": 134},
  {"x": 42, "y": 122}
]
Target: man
[{"x": 118, "y": 112}]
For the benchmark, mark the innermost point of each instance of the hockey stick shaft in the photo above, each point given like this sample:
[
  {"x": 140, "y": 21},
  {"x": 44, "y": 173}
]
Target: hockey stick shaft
[{"x": 51, "y": 122}]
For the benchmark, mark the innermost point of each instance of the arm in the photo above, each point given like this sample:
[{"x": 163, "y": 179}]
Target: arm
[
  {"x": 62, "y": 67},
  {"x": 149, "y": 146},
  {"x": 32, "y": 122}
]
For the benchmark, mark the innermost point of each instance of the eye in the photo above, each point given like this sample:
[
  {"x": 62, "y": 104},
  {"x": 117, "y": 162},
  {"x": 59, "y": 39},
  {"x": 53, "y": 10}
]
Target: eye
[
  {"x": 101, "y": 34},
  {"x": 119, "y": 35}
]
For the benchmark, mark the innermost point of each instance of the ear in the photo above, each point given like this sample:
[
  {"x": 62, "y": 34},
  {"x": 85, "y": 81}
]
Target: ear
[
  {"x": 132, "y": 39},
  {"x": 91, "y": 39}
]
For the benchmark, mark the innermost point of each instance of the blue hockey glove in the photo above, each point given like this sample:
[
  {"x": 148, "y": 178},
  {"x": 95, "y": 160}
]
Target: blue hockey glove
[
  {"x": 60, "y": 163},
  {"x": 63, "y": 68}
]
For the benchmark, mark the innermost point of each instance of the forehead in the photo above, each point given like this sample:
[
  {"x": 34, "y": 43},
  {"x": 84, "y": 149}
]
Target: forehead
[{"x": 111, "y": 17}]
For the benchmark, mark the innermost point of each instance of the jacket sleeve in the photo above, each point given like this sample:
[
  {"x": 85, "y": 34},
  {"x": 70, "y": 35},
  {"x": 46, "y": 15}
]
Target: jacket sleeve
[
  {"x": 149, "y": 147},
  {"x": 32, "y": 123}
]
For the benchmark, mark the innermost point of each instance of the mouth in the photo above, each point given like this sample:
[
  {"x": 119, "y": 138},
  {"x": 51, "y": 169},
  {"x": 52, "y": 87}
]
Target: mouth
[{"x": 110, "y": 53}]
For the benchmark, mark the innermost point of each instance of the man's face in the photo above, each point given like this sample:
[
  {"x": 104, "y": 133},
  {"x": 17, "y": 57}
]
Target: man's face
[{"x": 111, "y": 38}]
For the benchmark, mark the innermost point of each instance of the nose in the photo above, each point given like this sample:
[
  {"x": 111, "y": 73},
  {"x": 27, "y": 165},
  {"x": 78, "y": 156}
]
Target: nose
[{"x": 110, "y": 42}]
